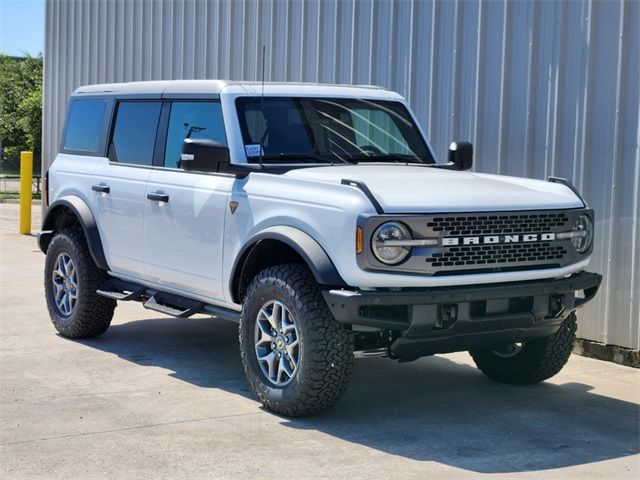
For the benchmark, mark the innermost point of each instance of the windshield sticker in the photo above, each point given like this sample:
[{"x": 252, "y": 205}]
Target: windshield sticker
[{"x": 253, "y": 150}]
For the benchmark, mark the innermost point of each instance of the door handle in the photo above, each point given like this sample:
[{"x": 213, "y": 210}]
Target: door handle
[
  {"x": 101, "y": 188},
  {"x": 158, "y": 197}
]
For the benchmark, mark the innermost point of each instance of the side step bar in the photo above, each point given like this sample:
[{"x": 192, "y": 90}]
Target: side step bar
[
  {"x": 173, "y": 305},
  {"x": 163, "y": 302},
  {"x": 117, "y": 289}
]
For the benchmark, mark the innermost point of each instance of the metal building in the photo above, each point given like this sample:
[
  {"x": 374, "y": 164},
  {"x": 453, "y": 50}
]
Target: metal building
[{"x": 540, "y": 88}]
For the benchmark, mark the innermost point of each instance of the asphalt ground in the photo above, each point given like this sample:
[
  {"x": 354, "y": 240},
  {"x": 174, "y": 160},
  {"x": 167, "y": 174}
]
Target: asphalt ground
[{"x": 157, "y": 397}]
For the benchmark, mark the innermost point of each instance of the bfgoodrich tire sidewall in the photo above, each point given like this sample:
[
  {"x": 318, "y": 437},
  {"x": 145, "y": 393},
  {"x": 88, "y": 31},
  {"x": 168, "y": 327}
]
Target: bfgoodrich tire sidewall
[{"x": 326, "y": 353}]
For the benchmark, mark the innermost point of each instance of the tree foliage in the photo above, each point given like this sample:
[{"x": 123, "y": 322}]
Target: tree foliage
[{"x": 20, "y": 106}]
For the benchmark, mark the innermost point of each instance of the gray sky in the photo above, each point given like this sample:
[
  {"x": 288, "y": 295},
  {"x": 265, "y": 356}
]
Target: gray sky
[{"x": 21, "y": 27}]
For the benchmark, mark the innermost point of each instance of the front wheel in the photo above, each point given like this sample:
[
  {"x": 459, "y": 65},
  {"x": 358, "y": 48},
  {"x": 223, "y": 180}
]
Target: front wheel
[
  {"x": 297, "y": 358},
  {"x": 531, "y": 361}
]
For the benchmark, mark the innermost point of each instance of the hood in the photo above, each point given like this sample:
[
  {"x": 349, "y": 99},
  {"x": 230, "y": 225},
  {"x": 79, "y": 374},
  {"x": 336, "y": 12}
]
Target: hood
[{"x": 419, "y": 189}]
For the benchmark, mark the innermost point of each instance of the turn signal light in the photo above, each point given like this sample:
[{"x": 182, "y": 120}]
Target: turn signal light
[{"x": 359, "y": 240}]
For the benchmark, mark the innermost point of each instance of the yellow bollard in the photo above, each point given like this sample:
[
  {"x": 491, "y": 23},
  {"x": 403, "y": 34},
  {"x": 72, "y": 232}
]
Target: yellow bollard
[{"x": 26, "y": 179}]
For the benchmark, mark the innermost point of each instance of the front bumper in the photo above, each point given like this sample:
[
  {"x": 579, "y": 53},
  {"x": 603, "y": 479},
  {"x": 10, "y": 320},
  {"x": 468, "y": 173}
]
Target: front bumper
[{"x": 447, "y": 319}]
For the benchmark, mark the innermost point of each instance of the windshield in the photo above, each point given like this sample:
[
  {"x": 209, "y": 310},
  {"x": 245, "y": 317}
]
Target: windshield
[{"x": 329, "y": 130}]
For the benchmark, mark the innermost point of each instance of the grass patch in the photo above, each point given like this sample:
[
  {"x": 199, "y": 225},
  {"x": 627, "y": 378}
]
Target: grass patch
[{"x": 16, "y": 196}]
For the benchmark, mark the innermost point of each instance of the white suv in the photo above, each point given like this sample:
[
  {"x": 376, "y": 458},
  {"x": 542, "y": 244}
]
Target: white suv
[{"x": 317, "y": 218}]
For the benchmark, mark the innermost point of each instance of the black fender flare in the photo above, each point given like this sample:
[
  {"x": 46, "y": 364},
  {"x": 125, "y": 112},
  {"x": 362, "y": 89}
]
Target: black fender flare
[
  {"x": 86, "y": 220},
  {"x": 306, "y": 246}
]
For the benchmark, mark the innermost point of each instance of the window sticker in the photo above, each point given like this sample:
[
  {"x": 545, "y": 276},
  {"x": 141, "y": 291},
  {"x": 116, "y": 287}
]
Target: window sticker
[{"x": 253, "y": 150}]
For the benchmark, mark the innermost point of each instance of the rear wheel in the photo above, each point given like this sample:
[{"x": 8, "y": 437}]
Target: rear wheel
[
  {"x": 297, "y": 358},
  {"x": 528, "y": 362},
  {"x": 71, "y": 279}
]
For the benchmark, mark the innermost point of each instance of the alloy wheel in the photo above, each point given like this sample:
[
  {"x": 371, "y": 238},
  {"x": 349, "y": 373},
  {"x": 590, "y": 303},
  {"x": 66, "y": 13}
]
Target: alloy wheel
[
  {"x": 65, "y": 284},
  {"x": 277, "y": 343},
  {"x": 510, "y": 350}
]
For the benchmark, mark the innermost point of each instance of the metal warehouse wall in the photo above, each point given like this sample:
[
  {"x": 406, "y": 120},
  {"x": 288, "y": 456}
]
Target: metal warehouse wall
[{"x": 541, "y": 88}]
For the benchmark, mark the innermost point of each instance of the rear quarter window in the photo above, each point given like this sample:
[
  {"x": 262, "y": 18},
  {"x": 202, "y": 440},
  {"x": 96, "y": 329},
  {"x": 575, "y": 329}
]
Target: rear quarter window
[
  {"x": 134, "y": 132},
  {"x": 85, "y": 126}
]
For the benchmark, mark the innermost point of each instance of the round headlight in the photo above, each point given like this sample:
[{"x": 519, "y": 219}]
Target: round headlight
[
  {"x": 583, "y": 226},
  {"x": 383, "y": 251}
]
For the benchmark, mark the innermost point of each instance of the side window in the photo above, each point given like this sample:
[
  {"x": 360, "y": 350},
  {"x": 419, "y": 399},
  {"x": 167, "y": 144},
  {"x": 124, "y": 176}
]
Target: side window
[
  {"x": 192, "y": 120},
  {"x": 134, "y": 133},
  {"x": 84, "y": 125}
]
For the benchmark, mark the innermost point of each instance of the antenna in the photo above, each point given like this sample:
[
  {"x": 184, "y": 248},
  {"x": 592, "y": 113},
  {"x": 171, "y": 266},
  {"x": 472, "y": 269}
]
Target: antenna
[{"x": 262, "y": 108}]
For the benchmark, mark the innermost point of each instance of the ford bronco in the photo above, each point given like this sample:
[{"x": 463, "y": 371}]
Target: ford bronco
[{"x": 317, "y": 217}]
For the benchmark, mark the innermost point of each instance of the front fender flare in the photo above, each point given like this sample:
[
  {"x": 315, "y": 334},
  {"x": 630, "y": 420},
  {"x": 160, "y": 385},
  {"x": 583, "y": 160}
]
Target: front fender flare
[
  {"x": 306, "y": 246},
  {"x": 86, "y": 220}
]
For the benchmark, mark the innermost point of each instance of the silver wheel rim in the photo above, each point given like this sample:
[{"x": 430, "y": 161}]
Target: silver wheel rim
[
  {"x": 510, "y": 350},
  {"x": 277, "y": 343},
  {"x": 65, "y": 284}
]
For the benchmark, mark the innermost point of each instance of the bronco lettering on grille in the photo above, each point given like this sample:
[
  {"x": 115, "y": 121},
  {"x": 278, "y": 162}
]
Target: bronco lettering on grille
[{"x": 497, "y": 239}]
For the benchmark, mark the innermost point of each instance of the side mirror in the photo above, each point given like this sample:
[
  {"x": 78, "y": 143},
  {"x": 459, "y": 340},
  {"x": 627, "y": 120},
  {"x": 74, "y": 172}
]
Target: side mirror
[
  {"x": 203, "y": 155},
  {"x": 461, "y": 155}
]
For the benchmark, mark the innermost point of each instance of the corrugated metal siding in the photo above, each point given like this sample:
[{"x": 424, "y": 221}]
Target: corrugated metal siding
[{"x": 541, "y": 88}]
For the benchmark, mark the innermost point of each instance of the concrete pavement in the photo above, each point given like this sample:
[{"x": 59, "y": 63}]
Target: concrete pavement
[{"x": 157, "y": 397}]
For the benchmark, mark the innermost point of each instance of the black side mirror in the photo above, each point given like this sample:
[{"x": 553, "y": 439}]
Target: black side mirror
[
  {"x": 461, "y": 155},
  {"x": 203, "y": 155}
]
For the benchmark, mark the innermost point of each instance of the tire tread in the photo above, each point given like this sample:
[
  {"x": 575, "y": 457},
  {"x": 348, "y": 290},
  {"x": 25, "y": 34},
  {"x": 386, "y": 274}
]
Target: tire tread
[
  {"x": 328, "y": 345},
  {"x": 93, "y": 313},
  {"x": 540, "y": 359}
]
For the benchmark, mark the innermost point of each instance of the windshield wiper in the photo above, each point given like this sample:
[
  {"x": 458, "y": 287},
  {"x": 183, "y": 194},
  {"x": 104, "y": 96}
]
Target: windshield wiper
[
  {"x": 300, "y": 156},
  {"x": 383, "y": 157}
]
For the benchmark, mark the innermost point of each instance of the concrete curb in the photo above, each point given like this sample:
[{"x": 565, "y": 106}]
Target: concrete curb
[{"x": 611, "y": 353}]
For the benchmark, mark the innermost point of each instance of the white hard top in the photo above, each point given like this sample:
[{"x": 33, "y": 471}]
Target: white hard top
[{"x": 215, "y": 87}]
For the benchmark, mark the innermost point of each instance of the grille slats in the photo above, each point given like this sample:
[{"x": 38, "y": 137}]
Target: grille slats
[
  {"x": 480, "y": 256},
  {"x": 498, "y": 224},
  {"x": 498, "y": 254}
]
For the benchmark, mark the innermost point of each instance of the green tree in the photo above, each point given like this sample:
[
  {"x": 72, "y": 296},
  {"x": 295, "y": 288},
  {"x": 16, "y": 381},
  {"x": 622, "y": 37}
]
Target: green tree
[{"x": 20, "y": 107}]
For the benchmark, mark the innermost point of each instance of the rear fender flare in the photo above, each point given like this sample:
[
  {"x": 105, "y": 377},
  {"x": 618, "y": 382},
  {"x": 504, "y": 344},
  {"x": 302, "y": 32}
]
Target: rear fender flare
[{"x": 85, "y": 218}]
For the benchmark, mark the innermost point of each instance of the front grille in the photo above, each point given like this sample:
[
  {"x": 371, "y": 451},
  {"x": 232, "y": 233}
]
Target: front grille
[
  {"x": 499, "y": 242},
  {"x": 497, "y": 254},
  {"x": 498, "y": 224}
]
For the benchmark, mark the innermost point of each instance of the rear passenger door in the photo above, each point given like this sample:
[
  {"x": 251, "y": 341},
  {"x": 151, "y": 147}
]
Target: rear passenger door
[
  {"x": 184, "y": 211},
  {"x": 119, "y": 184}
]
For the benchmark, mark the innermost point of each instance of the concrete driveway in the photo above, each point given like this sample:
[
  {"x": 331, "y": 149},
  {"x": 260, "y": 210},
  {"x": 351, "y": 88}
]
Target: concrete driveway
[{"x": 166, "y": 398}]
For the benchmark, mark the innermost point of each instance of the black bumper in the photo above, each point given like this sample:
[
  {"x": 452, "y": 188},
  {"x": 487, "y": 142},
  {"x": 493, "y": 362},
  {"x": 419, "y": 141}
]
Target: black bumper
[{"x": 448, "y": 319}]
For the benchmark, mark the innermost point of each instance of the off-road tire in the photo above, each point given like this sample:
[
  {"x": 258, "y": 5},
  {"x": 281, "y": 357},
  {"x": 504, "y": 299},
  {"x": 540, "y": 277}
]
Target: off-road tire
[
  {"x": 326, "y": 360},
  {"x": 92, "y": 313},
  {"x": 539, "y": 359}
]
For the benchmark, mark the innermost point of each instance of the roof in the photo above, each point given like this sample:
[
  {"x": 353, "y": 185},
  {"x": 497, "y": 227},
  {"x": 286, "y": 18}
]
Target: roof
[{"x": 214, "y": 87}]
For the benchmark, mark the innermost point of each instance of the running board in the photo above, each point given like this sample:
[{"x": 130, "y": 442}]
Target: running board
[
  {"x": 163, "y": 302},
  {"x": 117, "y": 289},
  {"x": 173, "y": 305}
]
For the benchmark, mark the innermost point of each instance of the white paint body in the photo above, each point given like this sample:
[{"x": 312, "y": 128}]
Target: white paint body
[{"x": 189, "y": 245}]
